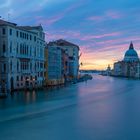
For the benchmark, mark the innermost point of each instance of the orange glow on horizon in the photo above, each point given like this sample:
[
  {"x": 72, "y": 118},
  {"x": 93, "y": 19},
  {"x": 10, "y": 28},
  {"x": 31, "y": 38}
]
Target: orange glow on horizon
[
  {"x": 91, "y": 61},
  {"x": 96, "y": 64}
]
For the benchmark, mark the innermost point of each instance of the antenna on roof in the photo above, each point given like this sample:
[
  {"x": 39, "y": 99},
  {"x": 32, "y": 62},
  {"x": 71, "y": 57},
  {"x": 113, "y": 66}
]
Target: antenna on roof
[
  {"x": 39, "y": 24},
  {"x": 9, "y": 16}
]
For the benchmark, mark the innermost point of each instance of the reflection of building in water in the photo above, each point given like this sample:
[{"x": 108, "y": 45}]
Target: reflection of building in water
[
  {"x": 129, "y": 66},
  {"x": 33, "y": 96},
  {"x": 21, "y": 55}
]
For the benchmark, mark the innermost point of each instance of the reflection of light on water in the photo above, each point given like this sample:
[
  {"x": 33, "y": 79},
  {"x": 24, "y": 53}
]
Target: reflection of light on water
[
  {"x": 30, "y": 96},
  {"x": 33, "y": 96},
  {"x": 27, "y": 97},
  {"x": 103, "y": 108}
]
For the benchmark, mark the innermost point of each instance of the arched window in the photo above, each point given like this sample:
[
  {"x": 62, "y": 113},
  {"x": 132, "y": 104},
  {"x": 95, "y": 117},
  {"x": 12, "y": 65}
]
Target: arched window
[
  {"x": 20, "y": 48},
  {"x": 4, "y": 67},
  {"x": 4, "y": 48},
  {"x": 11, "y": 66},
  {"x": 17, "y": 66},
  {"x": 17, "y": 50},
  {"x": 31, "y": 66}
]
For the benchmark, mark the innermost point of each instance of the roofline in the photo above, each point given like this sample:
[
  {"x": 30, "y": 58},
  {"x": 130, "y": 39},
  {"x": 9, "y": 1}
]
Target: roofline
[
  {"x": 58, "y": 41},
  {"x": 14, "y": 25}
]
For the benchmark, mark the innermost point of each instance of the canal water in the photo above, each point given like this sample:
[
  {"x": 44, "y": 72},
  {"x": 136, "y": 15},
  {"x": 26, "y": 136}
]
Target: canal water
[{"x": 104, "y": 108}]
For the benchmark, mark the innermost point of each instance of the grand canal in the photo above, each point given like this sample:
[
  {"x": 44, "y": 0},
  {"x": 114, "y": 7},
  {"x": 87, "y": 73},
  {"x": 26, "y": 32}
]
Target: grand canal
[{"x": 104, "y": 108}]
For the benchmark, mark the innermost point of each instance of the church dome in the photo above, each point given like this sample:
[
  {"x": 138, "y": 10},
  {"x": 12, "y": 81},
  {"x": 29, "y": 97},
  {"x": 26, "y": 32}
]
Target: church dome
[{"x": 131, "y": 55}]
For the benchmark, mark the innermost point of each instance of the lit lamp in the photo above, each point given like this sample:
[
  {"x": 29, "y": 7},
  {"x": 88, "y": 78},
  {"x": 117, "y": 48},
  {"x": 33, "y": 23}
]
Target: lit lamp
[
  {"x": 28, "y": 79},
  {"x": 33, "y": 82}
]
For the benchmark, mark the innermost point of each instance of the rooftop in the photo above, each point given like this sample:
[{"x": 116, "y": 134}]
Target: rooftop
[
  {"x": 3, "y": 22},
  {"x": 62, "y": 42}
]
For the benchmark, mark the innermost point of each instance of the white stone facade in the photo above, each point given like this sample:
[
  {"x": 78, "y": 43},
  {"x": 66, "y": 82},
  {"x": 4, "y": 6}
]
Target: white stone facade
[{"x": 21, "y": 56}]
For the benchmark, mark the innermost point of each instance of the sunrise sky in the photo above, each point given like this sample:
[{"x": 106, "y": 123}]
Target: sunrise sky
[{"x": 102, "y": 28}]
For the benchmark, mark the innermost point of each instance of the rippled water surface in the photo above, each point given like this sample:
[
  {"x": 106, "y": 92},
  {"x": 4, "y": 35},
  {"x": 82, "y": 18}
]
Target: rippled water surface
[{"x": 104, "y": 108}]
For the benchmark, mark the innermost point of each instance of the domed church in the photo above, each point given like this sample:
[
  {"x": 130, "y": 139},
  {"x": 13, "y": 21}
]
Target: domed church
[
  {"x": 129, "y": 66},
  {"x": 131, "y": 55}
]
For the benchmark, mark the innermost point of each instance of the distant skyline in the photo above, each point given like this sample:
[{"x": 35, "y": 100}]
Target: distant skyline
[{"x": 102, "y": 28}]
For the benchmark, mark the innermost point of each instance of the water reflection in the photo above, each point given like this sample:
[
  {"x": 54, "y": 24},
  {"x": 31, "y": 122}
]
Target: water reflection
[
  {"x": 102, "y": 109},
  {"x": 99, "y": 88}
]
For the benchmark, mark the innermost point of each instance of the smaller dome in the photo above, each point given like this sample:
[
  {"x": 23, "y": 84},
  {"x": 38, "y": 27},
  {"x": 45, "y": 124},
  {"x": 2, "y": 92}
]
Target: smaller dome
[{"x": 131, "y": 55}]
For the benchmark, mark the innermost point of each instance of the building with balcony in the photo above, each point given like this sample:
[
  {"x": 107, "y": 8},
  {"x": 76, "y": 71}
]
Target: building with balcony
[
  {"x": 21, "y": 55},
  {"x": 54, "y": 65},
  {"x": 72, "y": 51}
]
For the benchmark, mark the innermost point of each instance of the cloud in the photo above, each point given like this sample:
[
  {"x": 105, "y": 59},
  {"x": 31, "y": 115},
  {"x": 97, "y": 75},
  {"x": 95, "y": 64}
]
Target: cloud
[
  {"x": 71, "y": 34},
  {"x": 108, "y": 15},
  {"x": 5, "y": 4},
  {"x": 90, "y": 37},
  {"x": 103, "y": 29},
  {"x": 113, "y": 14},
  {"x": 49, "y": 21}
]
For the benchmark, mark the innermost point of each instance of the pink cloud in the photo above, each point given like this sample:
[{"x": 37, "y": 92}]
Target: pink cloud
[
  {"x": 53, "y": 19},
  {"x": 49, "y": 21},
  {"x": 63, "y": 34},
  {"x": 89, "y": 37},
  {"x": 113, "y": 14},
  {"x": 109, "y": 50},
  {"x": 79, "y": 36},
  {"x": 123, "y": 40},
  {"x": 52, "y": 36},
  {"x": 96, "y": 18},
  {"x": 109, "y": 15}
]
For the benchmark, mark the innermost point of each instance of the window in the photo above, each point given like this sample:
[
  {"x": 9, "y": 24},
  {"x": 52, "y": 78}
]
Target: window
[
  {"x": 4, "y": 48},
  {"x": 11, "y": 47},
  {"x": 30, "y": 37},
  {"x": 10, "y": 31},
  {"x": 40, "y": 35},
  {"x": 17, "y": 66},
  {"x": 4, "y": 67},
  {"x": 31, "y": 66},
  {"x": 3, "y": 31},
  {"x": 35, "y": 38},
  {"x": 27, "y": 50},
  {"x": 21, "y": 35},
  {"x": 21, "y": 78},
  {"x": 20, "y": 48},
  {"x": 17, "y": 48},
  {"x": 17, "y": 78},
  {"x": 31, "y": 78},
  {"x": 30, "y": 51},
  {"x": 17, "y": 33},
  {"x": 11, "y": 66},
  {"x": 35, "y": 77}
]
